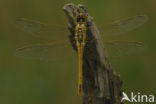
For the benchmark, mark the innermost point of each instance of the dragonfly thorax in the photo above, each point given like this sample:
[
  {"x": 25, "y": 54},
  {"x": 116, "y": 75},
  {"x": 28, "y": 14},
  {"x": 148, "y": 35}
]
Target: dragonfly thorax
[{"x": 80, "y": 33}]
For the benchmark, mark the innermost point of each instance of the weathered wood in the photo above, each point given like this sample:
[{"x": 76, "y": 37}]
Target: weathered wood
[{"x": 101, "y": 85}]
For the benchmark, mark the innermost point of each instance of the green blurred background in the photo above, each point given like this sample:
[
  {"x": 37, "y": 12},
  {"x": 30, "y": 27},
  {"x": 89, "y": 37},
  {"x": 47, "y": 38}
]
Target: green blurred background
[{"x": 38, "y": 82}]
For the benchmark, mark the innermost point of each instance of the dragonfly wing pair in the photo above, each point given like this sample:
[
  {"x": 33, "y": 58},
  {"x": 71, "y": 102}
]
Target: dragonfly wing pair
[
  {"x": 59, "y": 49},
  {"x": 118, "y": 48},
  {"x": 54, "y": 49}
]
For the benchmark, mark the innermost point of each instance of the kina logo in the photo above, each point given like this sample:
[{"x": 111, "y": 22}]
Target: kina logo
[{"x": 137, "y": 98}]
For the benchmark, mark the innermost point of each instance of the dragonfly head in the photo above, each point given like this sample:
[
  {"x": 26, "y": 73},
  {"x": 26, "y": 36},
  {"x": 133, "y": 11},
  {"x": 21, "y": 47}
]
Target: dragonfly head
[{"x": 81, "y": 18}]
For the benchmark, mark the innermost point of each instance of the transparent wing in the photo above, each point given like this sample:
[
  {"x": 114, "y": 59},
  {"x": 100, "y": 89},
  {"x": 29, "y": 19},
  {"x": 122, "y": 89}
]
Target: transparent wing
[
  {"x": 39, "y": 29},
  {"x": 123, "y": 26},
  {"x": 122, "y": 48},
  {"x": 48, "y": 51}
]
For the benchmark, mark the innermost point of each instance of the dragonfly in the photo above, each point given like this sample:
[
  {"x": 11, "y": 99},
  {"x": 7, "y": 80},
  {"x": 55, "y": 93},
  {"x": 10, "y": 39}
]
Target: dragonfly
[{"x": 57, "y": 48}]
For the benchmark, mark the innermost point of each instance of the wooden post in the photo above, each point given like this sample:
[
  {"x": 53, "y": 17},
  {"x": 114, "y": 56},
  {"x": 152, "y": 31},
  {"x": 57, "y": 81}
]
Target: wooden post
[{"x": 101, "y": 85}]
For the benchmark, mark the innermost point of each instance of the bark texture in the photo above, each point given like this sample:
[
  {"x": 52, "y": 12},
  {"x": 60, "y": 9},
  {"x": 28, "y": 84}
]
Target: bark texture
[{"x": 101, "y": 85}]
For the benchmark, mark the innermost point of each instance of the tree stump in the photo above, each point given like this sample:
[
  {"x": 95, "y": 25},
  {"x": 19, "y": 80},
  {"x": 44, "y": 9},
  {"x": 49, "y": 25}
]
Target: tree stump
[{"x": 101, "y": 85}]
